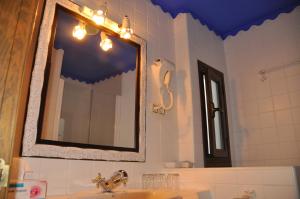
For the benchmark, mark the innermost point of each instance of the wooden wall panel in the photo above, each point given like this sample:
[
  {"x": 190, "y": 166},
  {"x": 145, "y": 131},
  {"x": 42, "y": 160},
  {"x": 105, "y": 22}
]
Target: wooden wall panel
[
  {"x": 17, "y": 35},
  {"x": 28, "y": 64},
  {"x": 9, "y": 15}
]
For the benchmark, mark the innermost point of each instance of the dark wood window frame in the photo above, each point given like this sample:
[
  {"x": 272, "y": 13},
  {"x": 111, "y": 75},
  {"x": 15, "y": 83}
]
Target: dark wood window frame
[{"x": 213, "y": 156}]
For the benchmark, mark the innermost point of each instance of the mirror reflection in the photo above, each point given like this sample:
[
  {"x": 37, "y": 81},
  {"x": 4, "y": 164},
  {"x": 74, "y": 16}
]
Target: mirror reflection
[{"x": 90, "y": 90}]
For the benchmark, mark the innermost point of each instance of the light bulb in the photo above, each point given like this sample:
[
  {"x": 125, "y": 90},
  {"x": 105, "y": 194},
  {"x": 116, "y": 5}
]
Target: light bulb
[
  {"x": 125, "y": 31},
  {"x": 105, "y": 43},
  {"x": 79, "y": 31},
  {"x": 99, "y": 17}
]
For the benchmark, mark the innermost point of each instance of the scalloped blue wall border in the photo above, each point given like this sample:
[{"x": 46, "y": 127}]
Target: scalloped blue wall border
[{"x": 234, "y": 31}]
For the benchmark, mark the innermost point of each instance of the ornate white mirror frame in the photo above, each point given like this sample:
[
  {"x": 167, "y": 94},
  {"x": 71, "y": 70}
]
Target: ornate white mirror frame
[{"x": 30, "y": 147}]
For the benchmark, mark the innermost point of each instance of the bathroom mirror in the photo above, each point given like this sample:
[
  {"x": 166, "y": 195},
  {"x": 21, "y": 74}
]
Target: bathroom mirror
[{"x": 87, "y": 92}]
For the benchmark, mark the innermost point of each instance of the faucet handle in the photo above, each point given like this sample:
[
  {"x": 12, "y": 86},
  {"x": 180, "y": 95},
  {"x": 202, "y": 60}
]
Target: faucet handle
[
  {"x": 124, "y": 176},
  {"x": 97, "y": 180},
  {"x": 124, "y": 173}
]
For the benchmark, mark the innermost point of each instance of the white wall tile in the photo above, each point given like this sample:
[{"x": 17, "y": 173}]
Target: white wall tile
[
  {"x": 267, "y": 182},
  {"x": 289, "y": 149},
  {"x": 291, "y": 161},
  {"x": 293, "y": 83},
  {"x": 267, "y": 120},
  {"x": 283, "y": 117},
  {"x": 141, "y": 7},
  {"x": 25, "y": 168},
  {"x": 139, "y": 21},
  {"x": 127, "y": 8},
  {"x": 265, "y": 105},
  {"x": 263, "y": 89},
  {"x": 79, "y": 175},
  {"x": 278, "y": 86},
  {"x": 269, "y": 135},
  {"x": 55, "y": 172},
  {"x": 274, "y": 162},
  {"x": 251, "y": 108},
  {"x": 226, "y": 191},
  {"x": 296, "y": 115},
  {"x": 281, "y": 102},
  {"x": 152, "y": 12},
  {"x": 278, "y": 176},
  {"x": 278, "y": 97},
  {"x": 226, "y": 177},
  {"x": 297, "y": 131},
  {"x": 292, "y": 70},
  {"x": 271, "y": 151},
  {"x": 286, "y": 133},
  {"x": 249, "y": 91},
  {"x": 279, "y": 192},
  {"x": 250, "y": 176},
  {"x": 295, "y": 99},
  {"x": 254, "y": 136}
]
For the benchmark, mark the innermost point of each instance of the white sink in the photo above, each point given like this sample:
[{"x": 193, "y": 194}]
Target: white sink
[{"x": 136, "y": 194}]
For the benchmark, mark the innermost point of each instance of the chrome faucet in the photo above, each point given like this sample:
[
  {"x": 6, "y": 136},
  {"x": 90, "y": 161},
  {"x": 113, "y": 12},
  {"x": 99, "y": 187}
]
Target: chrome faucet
[{"x": 118, "y": 178}]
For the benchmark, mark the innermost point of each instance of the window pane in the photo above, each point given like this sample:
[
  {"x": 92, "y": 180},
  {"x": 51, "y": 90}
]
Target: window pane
[
  {"x": 217, "y": 118},
  {"x": 206, "y": 112},
  {"x": 214, "y": 117},
  {"x": 215, "y": 93},
  {"x": 218, "y": 130}
]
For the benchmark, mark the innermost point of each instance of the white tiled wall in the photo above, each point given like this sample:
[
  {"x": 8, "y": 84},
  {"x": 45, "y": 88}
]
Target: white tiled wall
[
  {"x": 266, "y": 124},
  {"x": 70, "y": 176},
  {"x": 156, "y": 27},
  {"x": 193, "y": 42},
  {"x": 265, "y": 114},
  {"x": 215, "y": 183},
  {"x": 229, "y": 183}
]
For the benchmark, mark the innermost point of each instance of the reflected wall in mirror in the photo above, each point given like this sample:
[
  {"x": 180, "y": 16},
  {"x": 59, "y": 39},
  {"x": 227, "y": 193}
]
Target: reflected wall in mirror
[{"x": 93, "y": 87}]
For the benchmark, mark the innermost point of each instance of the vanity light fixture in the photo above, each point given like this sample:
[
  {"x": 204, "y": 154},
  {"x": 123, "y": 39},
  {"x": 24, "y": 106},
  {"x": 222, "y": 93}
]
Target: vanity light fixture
[
  {"x": 105, "y": 43},
  {"x": 88, "y": 12},
  {"x": 79, "y": 31},
  {"x": 100, "y": 15},
  {"x": 125, "y": 31}
]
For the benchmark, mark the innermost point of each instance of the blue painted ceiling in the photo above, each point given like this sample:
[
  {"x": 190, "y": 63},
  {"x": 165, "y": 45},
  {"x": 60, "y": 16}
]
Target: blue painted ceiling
[
  {"x": 228, "y": 17},
  {"x": 84, "y": 60}
]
